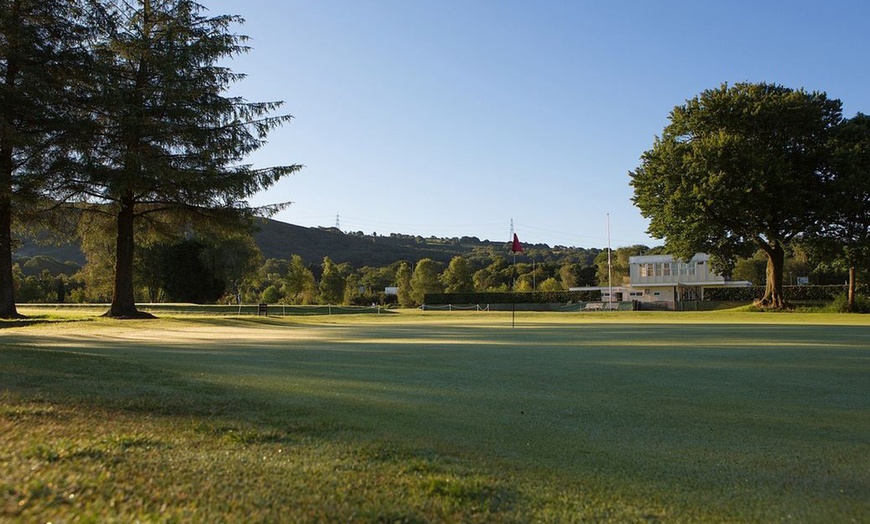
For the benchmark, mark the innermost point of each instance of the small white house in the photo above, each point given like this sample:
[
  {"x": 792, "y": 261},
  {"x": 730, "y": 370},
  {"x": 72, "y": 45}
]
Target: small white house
[{"x": 661, "y": 278}]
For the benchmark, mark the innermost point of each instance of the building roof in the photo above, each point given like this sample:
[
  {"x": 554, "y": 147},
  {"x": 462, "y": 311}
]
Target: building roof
[{"x": 713, "y": 283}]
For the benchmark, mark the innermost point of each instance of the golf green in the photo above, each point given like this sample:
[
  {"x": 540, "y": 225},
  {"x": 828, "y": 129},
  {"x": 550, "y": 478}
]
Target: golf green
[{"x": 562, "y": 417}]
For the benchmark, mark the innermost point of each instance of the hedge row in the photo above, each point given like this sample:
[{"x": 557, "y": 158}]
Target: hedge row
[
  {"x": 792, "y": 293},
  {"x": 537, "y": 297},
  {"x": 722, "y": 294}
]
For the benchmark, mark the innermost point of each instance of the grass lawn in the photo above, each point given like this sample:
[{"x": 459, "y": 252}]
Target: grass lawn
[{"x": 437, "y": 417}]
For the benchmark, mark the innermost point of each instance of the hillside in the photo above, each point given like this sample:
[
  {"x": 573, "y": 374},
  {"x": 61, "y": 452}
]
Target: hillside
[{"x": 281, "y": 240}]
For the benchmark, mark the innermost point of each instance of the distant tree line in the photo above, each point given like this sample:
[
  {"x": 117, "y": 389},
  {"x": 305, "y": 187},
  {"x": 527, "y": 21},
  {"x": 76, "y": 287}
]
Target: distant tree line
[{"x": 231, "y": 269}]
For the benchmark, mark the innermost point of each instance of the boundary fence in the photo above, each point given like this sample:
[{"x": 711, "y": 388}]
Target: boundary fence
[
  {"x": 223, "y": 309},
  {"x": 451, "y": 307}
]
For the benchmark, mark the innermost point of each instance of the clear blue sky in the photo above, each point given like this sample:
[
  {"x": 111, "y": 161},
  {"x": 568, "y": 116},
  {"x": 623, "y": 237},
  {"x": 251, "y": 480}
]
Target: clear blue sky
[{"x": 449, "y": 118}]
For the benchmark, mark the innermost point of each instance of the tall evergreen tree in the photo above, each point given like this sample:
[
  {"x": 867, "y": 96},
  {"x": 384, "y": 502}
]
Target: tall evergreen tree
[
  {"x": 167, "y": 140},
  {"x": 41, "y": 57}
]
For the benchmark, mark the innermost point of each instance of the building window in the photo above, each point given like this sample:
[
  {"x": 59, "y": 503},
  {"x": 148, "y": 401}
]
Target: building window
[
  {"x": 646, "y": 270},
  {"x": 666, "y": 269}
]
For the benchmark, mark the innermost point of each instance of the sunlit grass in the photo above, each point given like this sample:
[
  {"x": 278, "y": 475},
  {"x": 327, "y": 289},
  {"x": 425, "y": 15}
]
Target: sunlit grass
[{"x": 419, "y": 417}]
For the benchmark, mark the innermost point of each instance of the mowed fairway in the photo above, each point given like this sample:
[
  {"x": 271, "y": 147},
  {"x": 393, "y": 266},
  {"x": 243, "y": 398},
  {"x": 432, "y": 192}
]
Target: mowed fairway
[{"x": 438, "y": 417}]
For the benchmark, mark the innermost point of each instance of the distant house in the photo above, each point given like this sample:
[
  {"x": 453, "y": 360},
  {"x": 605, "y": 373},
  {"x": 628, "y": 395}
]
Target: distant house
[{"x": 661, "y": 278}]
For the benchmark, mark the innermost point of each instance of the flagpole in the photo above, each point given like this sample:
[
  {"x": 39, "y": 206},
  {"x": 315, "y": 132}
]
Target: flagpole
[
  {"x": 515, "y": 248},
  {"x": 513, "y": 278},
  {"x": 609, "y": 269}
]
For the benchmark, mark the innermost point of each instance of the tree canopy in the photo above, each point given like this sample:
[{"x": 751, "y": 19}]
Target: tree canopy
[
  {"x": 166, "y": 139},
  {"x": 458, "y": 277},
  {"x": 848, "y": 197},
  {"x": 41, "y": 69},
  {"x": 425, "y": 279},
  {"x": 738, "y": 168}
]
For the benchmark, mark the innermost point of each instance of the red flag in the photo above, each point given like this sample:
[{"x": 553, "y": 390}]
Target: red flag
[{"x": 516, "y": 247}]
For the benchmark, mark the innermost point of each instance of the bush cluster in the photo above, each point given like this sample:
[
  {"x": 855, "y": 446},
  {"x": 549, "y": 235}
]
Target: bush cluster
[
  {"x": 792, "y": 293},
  {"x": 841, "y": 303}
]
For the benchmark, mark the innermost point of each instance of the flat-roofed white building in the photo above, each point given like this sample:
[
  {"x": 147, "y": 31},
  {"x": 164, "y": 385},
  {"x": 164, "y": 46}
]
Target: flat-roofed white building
[{"x": 662, "y": 278}]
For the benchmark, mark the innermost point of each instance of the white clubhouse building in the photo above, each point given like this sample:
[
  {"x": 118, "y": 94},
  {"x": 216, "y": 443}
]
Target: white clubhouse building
[{"x": 661, "y": 278}]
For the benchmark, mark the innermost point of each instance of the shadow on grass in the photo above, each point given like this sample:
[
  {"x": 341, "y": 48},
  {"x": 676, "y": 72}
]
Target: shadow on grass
[
  {"x": 240, "y": 432},
  {"x": 26, "y": 321},
  {"x": 82, "y": 381}
]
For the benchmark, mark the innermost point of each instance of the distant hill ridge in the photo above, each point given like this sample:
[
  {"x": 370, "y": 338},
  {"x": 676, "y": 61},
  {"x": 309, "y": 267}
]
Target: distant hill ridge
[{"x": 281, "y": 240}]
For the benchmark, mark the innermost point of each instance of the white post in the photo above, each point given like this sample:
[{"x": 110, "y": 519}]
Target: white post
[{"x": 609, "y": 269}]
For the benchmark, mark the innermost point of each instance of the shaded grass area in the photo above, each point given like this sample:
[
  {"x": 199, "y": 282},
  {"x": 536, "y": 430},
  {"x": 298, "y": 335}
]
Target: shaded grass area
[
  {"x": 89, "y": 438},
  {"x": 447, "y": 418}
]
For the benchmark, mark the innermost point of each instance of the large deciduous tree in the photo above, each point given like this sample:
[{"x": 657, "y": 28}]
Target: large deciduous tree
[
  {"x": 849, "y": 197},
  {"x": 425, "y": 280},
  {"x": 41, "y": 60},
  {"x": 332, "y": 283},
  {"x": 167, "y": 139},
  {"x": 738, "y": 168},
  {"x": 299, "y": 283},
  {"x": 403, "y": 283},
  {"x": 459, "y": 276},
  {"x": 614, "y": 269}
]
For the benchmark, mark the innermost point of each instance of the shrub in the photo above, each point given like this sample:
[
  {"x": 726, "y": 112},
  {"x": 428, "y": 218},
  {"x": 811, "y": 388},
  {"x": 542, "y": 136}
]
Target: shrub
[
  {"x": 792, "y": 293},
  {"x": 841, "y": 304}
]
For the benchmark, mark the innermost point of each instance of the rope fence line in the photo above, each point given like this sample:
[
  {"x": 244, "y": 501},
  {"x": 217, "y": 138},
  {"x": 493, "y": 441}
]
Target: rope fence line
[{"x": 451, "y": 307}]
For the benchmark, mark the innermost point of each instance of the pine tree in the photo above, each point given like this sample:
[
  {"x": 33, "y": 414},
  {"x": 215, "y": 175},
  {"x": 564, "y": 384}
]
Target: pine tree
[
  {"x": 41, "y": 63},
  {"x": 167, "y": 139}
]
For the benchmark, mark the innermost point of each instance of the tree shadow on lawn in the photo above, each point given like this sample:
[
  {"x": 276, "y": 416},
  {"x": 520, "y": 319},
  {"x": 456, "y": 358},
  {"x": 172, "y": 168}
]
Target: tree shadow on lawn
[
  {"x": 69, "y": 385},
  {"x": 34, "y": 320},
  {"x": 82, "y": 381}
]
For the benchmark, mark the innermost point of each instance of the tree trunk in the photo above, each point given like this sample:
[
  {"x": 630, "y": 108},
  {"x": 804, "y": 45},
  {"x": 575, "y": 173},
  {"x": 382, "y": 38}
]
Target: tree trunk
[
  {"x": 123, "y": 298},
  {"x": 773, "y": 295},
  {"x": 851, "y": 297},
  {"x": 7, "y": 129},
  {"x": 7, "y": 285}
]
